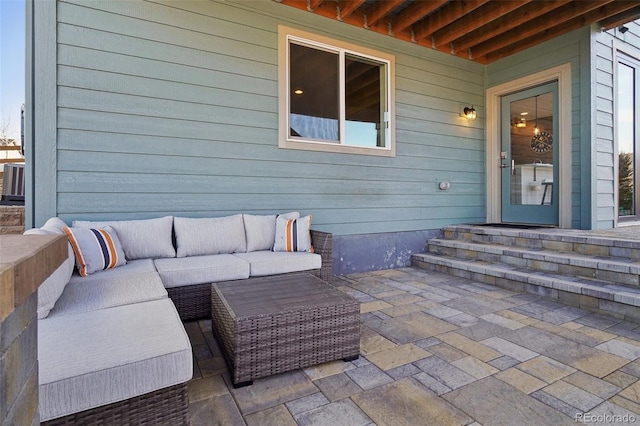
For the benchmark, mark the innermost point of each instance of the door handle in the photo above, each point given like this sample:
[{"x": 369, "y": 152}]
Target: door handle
[{"x": 504, "y": 166}]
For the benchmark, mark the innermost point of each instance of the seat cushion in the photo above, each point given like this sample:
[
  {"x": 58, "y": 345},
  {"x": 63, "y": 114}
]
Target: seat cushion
[
  {"x": 183, "y": 271},
  {"x": 269, "y": 262},
  {"x": 141, "y": 239},
  {"x": 96, "y": 358},
  {"x": 135, "y": 282}
]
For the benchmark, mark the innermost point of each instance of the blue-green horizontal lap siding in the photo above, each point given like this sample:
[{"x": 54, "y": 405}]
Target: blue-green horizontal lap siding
[
  {"x": 605, "y": 53},
  {"x": 172, "y": 108}
]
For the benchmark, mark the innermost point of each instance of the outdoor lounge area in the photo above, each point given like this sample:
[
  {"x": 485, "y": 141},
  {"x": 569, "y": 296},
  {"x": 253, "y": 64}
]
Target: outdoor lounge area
[
  {"x": 441, "y": 350},
  {"x": 322, "y": 212}
]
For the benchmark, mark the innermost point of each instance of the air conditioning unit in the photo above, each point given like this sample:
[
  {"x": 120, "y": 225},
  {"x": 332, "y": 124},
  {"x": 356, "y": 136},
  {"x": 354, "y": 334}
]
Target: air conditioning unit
[{"x": 13, "y": 182}]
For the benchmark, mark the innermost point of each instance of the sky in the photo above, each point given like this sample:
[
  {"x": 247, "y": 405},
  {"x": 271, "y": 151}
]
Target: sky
[{"x": 12, "y": 63}]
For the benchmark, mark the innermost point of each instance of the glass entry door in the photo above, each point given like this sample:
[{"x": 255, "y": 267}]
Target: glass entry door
[{"x": 529, "y": 156}]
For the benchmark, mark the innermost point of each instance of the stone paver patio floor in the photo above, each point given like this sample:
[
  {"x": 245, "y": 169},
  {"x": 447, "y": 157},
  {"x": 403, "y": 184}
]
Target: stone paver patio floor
[{"x": 441, "y": 350}]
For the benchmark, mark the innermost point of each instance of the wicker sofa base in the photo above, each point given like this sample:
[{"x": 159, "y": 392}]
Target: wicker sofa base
[
  {"x": 271, "y": 325},
  {"x": 168, "y": 406}
]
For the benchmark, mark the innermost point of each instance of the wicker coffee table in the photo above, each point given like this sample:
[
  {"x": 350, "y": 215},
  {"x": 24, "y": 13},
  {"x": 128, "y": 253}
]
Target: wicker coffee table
[{"x": 269, "y": 325}]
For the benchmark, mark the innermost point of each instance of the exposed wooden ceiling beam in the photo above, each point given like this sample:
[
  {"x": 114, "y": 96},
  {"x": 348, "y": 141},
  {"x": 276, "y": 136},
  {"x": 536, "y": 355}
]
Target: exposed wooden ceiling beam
[
  {"x": 348, "y": 7},
  {"x": 482, "y": 17},
  {"x": 560, "y": 28},
  {"x": 509, "y": 21},
  {"x": 481, "y": 30},
  {"x": 380, "y": 9},
  {"x": 535, "y": 26},
  {"x": 620, "y": 19},
  {"x": 414, "y": 13},
  {"x": 445, "y": 16},
  {"x": 313, "y": 4}
]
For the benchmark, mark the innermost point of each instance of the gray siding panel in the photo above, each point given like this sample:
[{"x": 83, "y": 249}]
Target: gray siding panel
[
  {"x": 171, "y": 108},
  {"x": 605, "y": 52}
]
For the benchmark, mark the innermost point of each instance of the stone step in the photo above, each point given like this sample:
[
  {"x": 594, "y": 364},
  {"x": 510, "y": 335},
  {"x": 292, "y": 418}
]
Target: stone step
[
  {"x": 592, "y": 294},
  {"x": 615, "y": 270},
  {"x": 552, "y": 239}
]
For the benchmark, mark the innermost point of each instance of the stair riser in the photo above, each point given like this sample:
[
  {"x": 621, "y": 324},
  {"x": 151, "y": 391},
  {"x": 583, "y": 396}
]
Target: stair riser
[
  {"x": 584, "y": 301},
  {"x": 546, "y": 265},
  {"x": 549, "y": 243}
]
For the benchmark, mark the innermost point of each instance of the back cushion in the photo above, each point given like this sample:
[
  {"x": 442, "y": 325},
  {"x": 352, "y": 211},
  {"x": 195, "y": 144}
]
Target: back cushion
[
  {"x": 261, "y": 230},
  {"x": 140, "y": 239},
  {"x": 203, "y": 236},
  {"x": 51, "y": 289}
]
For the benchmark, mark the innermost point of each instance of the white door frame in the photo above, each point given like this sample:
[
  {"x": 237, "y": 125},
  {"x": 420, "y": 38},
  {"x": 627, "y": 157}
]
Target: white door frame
[{"x": 562, "y": 74}]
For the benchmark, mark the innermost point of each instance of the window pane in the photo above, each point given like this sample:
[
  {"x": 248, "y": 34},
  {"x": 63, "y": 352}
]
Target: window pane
[
  {"x": 626, "y": 137},
  {"x": 314, "y": 100},
  {"x": 364, "y": 104}
]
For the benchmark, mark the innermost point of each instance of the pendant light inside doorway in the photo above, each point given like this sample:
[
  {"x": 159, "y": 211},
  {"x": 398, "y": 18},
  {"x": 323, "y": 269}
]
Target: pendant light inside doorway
[{"x": 541, "y": 142}]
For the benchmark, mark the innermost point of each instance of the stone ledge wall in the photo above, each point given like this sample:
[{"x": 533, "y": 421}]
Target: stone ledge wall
[
  {"x": 11, "y": 220},
  {"x": 25, "y": 263}
]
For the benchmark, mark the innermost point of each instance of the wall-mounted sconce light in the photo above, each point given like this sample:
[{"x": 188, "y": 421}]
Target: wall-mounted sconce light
[
  {"x": 623, "y": 29},
  {"x": 470, "y": 113}
]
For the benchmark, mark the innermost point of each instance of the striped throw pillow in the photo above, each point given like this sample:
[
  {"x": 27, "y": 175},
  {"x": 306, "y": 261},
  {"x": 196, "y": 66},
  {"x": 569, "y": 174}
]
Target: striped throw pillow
[
  {"x": 293, "y": 234},
  {"x": 95, "y": 249}
]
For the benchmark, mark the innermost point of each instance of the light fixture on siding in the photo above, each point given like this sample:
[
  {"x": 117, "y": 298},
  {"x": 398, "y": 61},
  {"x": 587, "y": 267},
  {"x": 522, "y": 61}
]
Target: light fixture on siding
[{"x": 470, "y": 113}]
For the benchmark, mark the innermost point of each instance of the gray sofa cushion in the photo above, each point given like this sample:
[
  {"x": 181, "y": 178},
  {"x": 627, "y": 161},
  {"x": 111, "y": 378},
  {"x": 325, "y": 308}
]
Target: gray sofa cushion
[
  {"x": 183, "y": 271},
  {"x": 51, "y": 289},
  {"x": 141, "y": 239},
  {"x": 205, "y": 236},
  {"x": 269, "y": 262},
  {"x": 135, "y": 282},
  {"x": 110, "y": 355},
  {"x": 261, "y": 230}
]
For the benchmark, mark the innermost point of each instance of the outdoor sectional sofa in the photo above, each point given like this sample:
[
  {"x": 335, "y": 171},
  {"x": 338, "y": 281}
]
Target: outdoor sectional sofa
[{"x": 111, "y": 345}]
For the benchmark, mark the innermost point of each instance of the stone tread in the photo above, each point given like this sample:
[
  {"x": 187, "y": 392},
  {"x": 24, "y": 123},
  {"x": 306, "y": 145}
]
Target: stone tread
[
  {"x": 589, "y": 287},
  {"x": 550, "y": 234},
  {"x": 613, "y": 264}
]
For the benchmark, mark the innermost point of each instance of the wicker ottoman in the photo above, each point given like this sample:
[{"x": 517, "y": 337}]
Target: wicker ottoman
[{"x": 269, "y": 325}]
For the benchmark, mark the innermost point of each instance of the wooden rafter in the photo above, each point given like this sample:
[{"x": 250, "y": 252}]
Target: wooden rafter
[
  {"x": 314, "y": 4},
  {"x": 610, "y": 9},
  {"x": 481, "y": 30},
  {"x": 620, "y": 18},
  {"x": 509, "y": 21},
  {"x": 542, "y": 23},
  {"x": 380, "y": 10},
  {"x": 348, "y": 7},
  {"x": 414, "y": 13},
  {"x": 489, "y": 13},
  {"x": 445, "y": 16}
]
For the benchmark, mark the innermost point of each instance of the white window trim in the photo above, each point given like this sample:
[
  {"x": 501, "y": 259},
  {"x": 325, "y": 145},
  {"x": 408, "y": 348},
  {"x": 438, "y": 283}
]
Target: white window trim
[
  {"x": 631, "y": 56},
  {"x": 315, "y": 40}
]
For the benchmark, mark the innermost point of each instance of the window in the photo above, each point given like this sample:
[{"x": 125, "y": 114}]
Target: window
[
  {"x": 334, "y": 96},
  {"x": 627, "y": 137}
]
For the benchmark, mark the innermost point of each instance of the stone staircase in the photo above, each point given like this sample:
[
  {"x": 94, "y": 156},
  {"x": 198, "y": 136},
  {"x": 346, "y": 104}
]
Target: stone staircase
[{"x": 574, "y": 267}]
